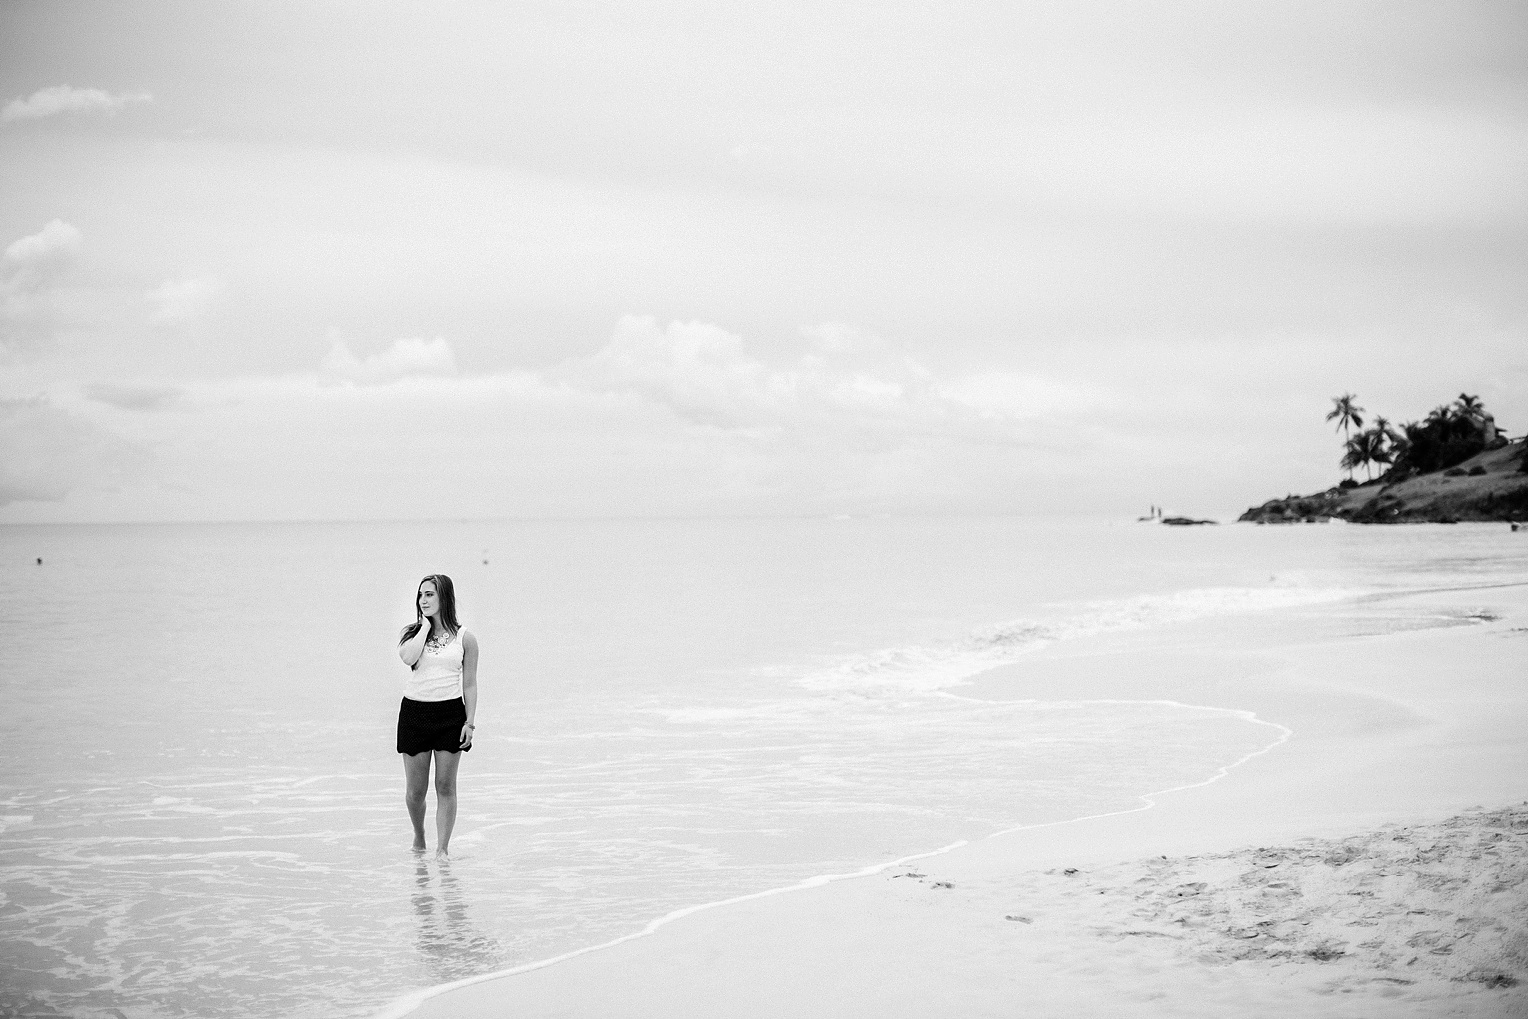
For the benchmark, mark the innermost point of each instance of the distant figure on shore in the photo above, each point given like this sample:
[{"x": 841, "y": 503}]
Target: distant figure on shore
[
  {"x": 439, "y": 703},
  {"x": 39, "y": 560}
]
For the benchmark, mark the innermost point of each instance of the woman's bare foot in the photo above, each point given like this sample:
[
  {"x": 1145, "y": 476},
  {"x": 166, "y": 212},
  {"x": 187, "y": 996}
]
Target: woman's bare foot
[{"x": 419, "y": 846}]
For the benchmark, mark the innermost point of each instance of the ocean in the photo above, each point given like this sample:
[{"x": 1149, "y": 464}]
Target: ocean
[{"x": 201, "y": 810}]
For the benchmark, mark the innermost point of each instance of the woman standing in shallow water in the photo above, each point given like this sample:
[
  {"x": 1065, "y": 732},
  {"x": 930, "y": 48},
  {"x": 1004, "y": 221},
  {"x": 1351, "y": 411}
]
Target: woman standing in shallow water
[{"x": 439, "y": 703}]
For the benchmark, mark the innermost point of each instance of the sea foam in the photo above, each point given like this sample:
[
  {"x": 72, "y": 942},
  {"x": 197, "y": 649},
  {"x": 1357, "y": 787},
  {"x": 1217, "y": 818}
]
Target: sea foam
[{"x": 939, "y": 666}]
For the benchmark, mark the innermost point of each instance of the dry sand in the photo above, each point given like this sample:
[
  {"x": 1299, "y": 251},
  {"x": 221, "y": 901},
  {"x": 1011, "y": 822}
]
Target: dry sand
[
  {"x": 1432, "y": 913},
  {"x": 1349, "y": 871}
]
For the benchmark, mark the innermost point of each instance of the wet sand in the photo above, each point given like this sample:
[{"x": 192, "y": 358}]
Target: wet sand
[{"x": 1373, "y": 863}]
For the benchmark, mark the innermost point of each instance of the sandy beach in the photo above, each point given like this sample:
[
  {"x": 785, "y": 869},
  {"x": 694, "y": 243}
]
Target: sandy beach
[
  {"x": 844, "y": 428},
  {"x": 1371, "y": 861}
]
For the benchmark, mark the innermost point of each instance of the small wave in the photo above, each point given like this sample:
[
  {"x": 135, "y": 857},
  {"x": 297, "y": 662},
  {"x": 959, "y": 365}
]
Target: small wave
[
  {"x": 681, "y": 716},
  {"x": 75, "y": 855},
  {"x": 926, "y": 669}
]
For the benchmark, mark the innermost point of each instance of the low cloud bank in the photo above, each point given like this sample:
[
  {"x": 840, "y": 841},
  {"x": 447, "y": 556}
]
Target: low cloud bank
[
  {"x": 176, "y": 302},
  {"x": 404, "y": 359},
  {"x": 849, "y": 379},
  {"x": 676, "y": 418},
  {"x": 58, "y": 99},
  {"x": 128, "y": 396},
  {"x": 47, "y": 452}
]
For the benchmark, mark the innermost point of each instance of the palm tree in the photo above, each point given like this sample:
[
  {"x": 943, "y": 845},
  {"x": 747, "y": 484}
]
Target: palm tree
[
  {"x": 1346, "y": 413},
  {"x": 1391, "y": 442},
  {"x": 1352, "y": 456},
  {"x": 1377, "y": 450},
  {"x": 1364, "y": 450},
  {"x": 1471, "y": 410}
]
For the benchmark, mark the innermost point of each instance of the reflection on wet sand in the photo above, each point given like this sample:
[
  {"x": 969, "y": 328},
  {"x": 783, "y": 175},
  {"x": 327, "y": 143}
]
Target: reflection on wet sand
[{"x": 450, "y": 946}]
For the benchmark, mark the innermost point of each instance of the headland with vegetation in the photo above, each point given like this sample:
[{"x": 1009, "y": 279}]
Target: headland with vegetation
[{"x": 1453, "y": 465}]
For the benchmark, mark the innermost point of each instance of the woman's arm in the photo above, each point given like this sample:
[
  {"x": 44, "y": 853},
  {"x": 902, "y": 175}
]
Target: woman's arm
[
  {"x": 411, "y": 649},
  {"x": 469, "y": 683}
]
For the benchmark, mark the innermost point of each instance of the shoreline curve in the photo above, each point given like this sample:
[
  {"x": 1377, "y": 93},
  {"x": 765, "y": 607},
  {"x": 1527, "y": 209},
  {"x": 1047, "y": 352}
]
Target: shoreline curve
[{"x": 408, "y": 1003}]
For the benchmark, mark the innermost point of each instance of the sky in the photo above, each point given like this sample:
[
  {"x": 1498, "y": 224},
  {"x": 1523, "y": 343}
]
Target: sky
[{"x": 340, "y": 261}]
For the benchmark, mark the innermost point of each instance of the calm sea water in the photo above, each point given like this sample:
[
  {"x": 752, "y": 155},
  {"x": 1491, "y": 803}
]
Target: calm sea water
[{"x": 201, "y": 805}]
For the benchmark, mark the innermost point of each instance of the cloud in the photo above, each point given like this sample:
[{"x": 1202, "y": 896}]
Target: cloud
[
  {"x": 184, "y": 300},
  {"x": 405, "y": 358},
  {"x": 57, "y": 99},
  {"x": 665, "y": 418},
  {"x": 47, "y": 452},
  {"x": 30, "y": 272},
  {"x": 54, "y": 245},
  {"x": 839, "y": 338},
  {"x": 133, "y": 397},
  {"x": 850, "y": 381},
  {"x": 696, "y": 369},
  {"x": 1011, "y": 395}
]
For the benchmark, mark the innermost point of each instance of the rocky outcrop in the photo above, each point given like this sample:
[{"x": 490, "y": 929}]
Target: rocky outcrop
[
  {"x": 1489, "y": 486},
  {"x": 1296, "y": 509}
]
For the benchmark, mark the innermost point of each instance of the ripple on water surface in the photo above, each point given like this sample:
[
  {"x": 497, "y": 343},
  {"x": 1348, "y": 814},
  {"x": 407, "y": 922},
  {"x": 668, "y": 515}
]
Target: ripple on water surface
[{"x": 217, "y": 891}]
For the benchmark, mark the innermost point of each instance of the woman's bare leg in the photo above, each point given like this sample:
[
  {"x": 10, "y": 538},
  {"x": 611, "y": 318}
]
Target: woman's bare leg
[
  {"x": 445, "y": 798},
  {"x": 416, "y": 782}
]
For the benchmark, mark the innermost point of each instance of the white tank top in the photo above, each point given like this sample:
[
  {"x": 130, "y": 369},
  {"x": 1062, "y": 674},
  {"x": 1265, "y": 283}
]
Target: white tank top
[{"x": 438, "y": 674}]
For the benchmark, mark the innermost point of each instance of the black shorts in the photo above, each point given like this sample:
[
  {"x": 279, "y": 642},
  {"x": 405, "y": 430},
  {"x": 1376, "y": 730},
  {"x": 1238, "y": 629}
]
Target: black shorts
[{"x": 431, "y": 725}]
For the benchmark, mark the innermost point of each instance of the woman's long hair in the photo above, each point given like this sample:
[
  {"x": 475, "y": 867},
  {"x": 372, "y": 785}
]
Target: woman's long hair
[{"x": 447, "y": 613}]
